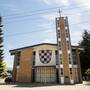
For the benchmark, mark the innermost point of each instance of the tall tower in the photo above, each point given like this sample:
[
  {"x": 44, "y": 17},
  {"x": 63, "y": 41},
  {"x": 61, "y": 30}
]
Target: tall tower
[{"x": 65, "y": 62}]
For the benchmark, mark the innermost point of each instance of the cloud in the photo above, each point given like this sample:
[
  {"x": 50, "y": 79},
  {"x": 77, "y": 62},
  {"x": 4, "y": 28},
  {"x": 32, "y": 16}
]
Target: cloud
[
  {"x": 57, "y": 2},
  {"x": 74, "y": 19},
  {"x": 50, "y": 37},
  {"x": 85, "y": 3},
  {"x": 49, "y": 16}
]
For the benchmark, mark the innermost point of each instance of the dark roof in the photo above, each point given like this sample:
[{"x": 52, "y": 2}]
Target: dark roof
[
  {"x": 37, "y": 45},
  {"x": 33, "y": 46}
]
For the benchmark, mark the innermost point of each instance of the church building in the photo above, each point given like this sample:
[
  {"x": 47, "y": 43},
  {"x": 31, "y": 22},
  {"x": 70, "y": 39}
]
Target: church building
[{"x": 48, "y": 62}]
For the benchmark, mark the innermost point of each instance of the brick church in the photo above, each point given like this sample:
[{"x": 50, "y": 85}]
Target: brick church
[{"x": 47, "y": 62}]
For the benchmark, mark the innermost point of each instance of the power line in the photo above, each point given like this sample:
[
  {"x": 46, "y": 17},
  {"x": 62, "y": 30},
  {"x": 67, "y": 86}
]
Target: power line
[
  {"x": 38, "y": 13},
  {"x": 88, "y": 21},
  {"x": 41, "y": 30},
  {"x": 18, "y": 34},
  {"x": 38, "y": 19},
  {"x": 42, "y": 10},
  {"x": 33, "y": 19}
]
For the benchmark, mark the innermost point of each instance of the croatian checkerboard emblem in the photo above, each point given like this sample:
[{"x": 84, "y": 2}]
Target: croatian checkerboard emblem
[{"x": 45, "y": 56}]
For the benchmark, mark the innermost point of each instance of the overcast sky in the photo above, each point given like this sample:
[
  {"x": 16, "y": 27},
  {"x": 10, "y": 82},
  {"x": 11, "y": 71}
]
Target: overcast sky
[{"x": 28, "y": 22}]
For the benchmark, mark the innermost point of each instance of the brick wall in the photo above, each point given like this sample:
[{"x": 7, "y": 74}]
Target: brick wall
[{"x": 25, "y": 69}]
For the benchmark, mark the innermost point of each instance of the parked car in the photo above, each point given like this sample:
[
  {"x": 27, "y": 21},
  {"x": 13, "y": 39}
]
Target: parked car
[{"x": 8, "y": 80}]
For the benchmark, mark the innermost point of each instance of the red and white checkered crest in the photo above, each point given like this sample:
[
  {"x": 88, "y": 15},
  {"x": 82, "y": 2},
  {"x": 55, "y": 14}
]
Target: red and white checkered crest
[{"x": 45, "y": 56}]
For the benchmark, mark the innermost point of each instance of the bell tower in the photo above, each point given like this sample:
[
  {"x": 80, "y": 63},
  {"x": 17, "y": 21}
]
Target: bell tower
[{"x": 65, "y": 62}]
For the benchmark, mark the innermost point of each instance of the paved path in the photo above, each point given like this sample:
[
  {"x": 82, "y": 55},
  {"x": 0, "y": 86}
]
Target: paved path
[
  {"x": 55, "y": 87},
  {"x": 1, "y": 81}
]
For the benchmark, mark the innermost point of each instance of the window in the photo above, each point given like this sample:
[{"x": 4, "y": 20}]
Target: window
[
  {"x": 18, "y": 58},
  {"x": 56, "y": 57},
  {"x": 61, "y": 55},
  {"x": 60, "y": 58},
  {"x": 66, "y": 30},
  {"x": 68, "y": 46},
  {"x": 74, "y": 57},
  {"x": 60, "y": 48},
  {"x": 58, "y": 33},
  {"x": 59, "y": 42},
  {"x": 67, "y": 35},
  {"x": 57, "y": 23},
  {"x": 66, "y": 23},
  {"x": 61, "y": 71},
  {"x": 69, "y": 58},
  {"x": 70, "y": 70},
  {"x": 60, "y": 61},
  {"x": 33, "y": 60}
]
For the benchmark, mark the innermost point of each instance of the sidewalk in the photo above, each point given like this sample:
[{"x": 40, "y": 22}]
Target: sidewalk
[
  {"x": 2, "y": 81},
  {"x": 54, "y": 87}
]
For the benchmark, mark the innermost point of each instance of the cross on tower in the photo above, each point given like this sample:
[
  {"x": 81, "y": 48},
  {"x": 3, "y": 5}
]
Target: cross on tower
[{"x": 60, "y": 12}]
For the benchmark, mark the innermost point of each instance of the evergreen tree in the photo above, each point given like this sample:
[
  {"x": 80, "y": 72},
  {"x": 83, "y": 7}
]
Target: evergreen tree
[
  {"x": 2, "y": 64},
  {"x": 85, "y": 53}
]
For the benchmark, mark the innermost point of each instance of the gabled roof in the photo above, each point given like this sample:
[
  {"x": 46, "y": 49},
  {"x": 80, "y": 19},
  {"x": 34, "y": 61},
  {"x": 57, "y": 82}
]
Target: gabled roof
[{"x": 53, "y": 44}]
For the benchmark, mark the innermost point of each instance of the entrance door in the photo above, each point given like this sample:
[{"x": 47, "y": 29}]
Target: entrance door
[{"x": 45, "y": 74}]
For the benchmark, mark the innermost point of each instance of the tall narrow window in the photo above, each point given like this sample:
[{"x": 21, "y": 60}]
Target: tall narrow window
[
  {"x": 66, "y": 30},
  {"x": 58, "y": 33},
  {"x": 60, "y": 58},
  {"x": 69, "y": 58},
  {"x": 59, "y": 42},
  {"x": 67, "y": 35},
  {"x": 56, "y": 57},
  {"x": 61, "y": 71},
  {"x": 57, "y": 23},
  {"x": 70, "y": 70},
  {"x": 18, "y": 58},
  {"x": 33, "y": 60},
  {"x": 74, "y": 57},
  {"x": 66, "y": 23},
  {"x": 68, "y": 46}
]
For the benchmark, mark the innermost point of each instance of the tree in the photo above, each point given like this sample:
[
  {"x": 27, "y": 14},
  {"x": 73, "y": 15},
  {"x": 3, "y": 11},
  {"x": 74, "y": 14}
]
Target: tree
[
  {"x": 85, "y": 53},
  {"x": 87, "y": 71},
  {"x": 2, "y": 64}
]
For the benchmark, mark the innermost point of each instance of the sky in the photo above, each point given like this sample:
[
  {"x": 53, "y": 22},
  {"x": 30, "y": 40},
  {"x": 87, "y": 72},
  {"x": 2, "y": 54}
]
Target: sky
[{"x": 29, "y": 22}]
